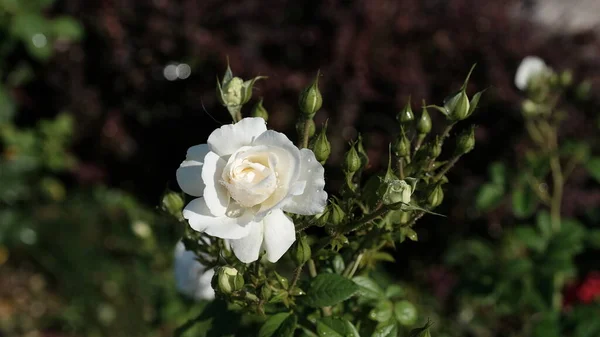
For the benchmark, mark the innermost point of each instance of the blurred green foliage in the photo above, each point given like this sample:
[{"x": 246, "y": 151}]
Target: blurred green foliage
[{"x": 74, "y": 260}]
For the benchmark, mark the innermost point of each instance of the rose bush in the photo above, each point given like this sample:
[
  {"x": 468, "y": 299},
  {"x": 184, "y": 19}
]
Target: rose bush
[{"x": 245, "y": 177}]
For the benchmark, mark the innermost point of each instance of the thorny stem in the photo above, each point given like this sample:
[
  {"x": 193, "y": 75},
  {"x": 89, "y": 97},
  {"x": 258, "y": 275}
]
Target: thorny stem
[
  {"x": 555, "y": 205},
  {"x": 297, "y": 274},
  {"x": 447, "y": 167},
  {"x": 356, "y": 225},
  {"x": 545, "y": 136}
]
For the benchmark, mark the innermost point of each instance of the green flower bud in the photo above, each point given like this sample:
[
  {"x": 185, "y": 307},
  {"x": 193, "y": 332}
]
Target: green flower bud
[
  {"x": 457, "y": 107},
  {"x": 436, "y": 196},
  {"x": 397, "y": 191},
  {"x": 406, "y": 115},
  {"x": 301, "y": 252},
  {"x": 407, "y": 232},
  {"x": 582, "y": 91},
  {"x": 322, "y": 147},
  {"x": 283, "y": 282},
  {"x": 404, "y": 217},
  {"x": 402, "y": 145},
  {"x": 231, "y": 93},
  {"x": 172, "y": 203},
  {"x": 229, "y": 280},
  {"x": 412, "y": 235},
  {"x": 310, "y": 99},
  {"x": 424, "y": 123},
  {"x": 259, "y": 111},
  {"x": 530, "y": 108},
  {"x": 465, "y": 141},
  {"x": 566, "y": 78},
  {"x": 352, "y": 162},
  {"x": 337, "y": 214},
  {"x": 297, "y": 292},
  {"x": 265, "y": 292},
  {"x": 364, "y": 158},
  {"x": 434, "y": 149}
]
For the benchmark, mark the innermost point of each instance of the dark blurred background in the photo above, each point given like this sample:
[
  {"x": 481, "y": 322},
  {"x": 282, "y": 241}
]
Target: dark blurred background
[{"x": 137, "y": 80}]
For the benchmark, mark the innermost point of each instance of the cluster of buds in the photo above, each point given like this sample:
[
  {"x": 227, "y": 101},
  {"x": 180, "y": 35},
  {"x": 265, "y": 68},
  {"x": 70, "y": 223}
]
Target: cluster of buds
[{"x": 310, "y": 102}]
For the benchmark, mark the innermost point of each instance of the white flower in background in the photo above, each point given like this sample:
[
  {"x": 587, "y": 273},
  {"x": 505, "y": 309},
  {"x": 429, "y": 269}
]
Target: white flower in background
[
  {"x": 191, "y": 277},
  {"x": 245, "y": 177},
  {"x": 530, "y": 67}
]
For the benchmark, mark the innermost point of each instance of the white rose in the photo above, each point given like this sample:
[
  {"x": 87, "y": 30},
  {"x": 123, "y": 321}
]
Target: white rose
[
  {"x": 530, "y": 67},
  {"x": 191, "y": 277},
  {"x": 246, "y": 176}
]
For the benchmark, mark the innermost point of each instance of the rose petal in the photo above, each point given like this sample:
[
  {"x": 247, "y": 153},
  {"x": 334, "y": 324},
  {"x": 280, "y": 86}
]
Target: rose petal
[
  {"x": 229, "y": 138},
  {"x": 529, "y": 67},
  {"x": 200, "y": 219},
  {"x": 314, "y": 198},
  {"x": 215, "y": 194},
  {"x": 280, "y": 233},
  {"x": 189, "y": 173},
  {"x": 248, "y": 248},
  {"x": 287, "y": 168}
]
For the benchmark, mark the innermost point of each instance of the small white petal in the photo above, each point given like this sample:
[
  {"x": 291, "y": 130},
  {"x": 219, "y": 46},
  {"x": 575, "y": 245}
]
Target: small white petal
[
  {"x": 215, "y": 194},
  {"x": 529, "y": 67},
  {"x": 314, "y": 198},
  {"x": 229, "y": 138},
  {"x": 248, "y": 248},
  {"x": 280, "y": 233},
  {"x": 200, "y": 219},
  {"x": 191, "y": 277}
]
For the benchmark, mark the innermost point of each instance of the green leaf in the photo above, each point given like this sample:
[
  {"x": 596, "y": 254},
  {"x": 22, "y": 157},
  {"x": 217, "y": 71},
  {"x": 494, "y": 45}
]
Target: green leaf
[
  {"x": 329, "y": 289},
  {"x": 474, "y": 102},
  {"x": 394, "y": 291},
  {"x": 279, "y": 325},
  {"x": 338, "y": 264},
  {"x": 386, "y": 329},
  {"x": 406, "y": 313},
  {"x": 544, "y": 224},
  {"x": 515, "y": 269},
  {"x": 67, "y": 28},
  {"x": 418, "y": 332},
  {"x": 336, "y": 327},
  {"x": 382, "y": 312},
  {"x": 524, "y": 201},
  {"x": 593, "y": 167},
  {"x": 368, "y": 288},
  {"x": 247, "y": 88},
  {"x": 531, "y": 238},
  {"x": 33, "y": 30},
  {"x": 497, "y": 173},
  {"x": 7, "y": 107},
  {"x": 547, "y": 326},
  {"x": 489, "y": 196},
  {"x": 593, "y": 238}
]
